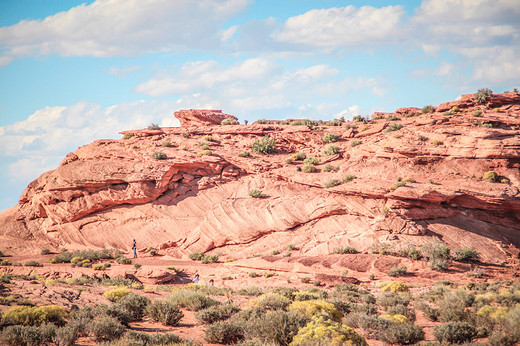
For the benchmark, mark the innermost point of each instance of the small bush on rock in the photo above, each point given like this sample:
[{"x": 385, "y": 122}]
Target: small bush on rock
[
  {"x": 482, "y": 95},
  {"x": 257, "y": 194},
  {"x": 158, "y": 155},
  {"x": 331, "y": 150},
  {"x": 466, "y": 254},
  {"x": 490, "y": 176},
  {"x": 229, "y": 121},
  {"x": 330, "y": 138},
  {"x": 264, "y": 146}
]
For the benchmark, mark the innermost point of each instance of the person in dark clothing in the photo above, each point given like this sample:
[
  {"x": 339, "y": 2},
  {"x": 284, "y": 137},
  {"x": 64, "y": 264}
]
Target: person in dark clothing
[{"x": 134, "y": 247}]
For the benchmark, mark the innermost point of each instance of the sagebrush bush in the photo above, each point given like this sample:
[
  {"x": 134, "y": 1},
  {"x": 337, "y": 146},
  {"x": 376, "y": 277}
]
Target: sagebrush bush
[
  {"x": 143, "y": 339},
  {"x": 224, "y": 332},
  {"x": 344, "y": 250},
  {"x": 331, "y": 150},
  {"x": 330, "y": 138},
  {"x": 164, "y": 311},
  {"x": 124, "y": 260},
  {"x": 158, "y": 155},
  {"x": 428, "y": 109},
  {"x": 116, "y": 294},
  {"x": 332, "y": 183},
  {"x": 216, "y": 313},
  {"x": 322, "y": 331},
  {"x": 28, "y": 335},
  {"x": 389, "y": 299},
  {"x": 244, "y": 153},
  {"x": 196, "y": 256},
  {"x": 309, "y": 168},
  {"x": 355, "y": 143},
  {"x": 394, "y": 127},
  {"x": 229, "y": 121},
  {"x": 437, "y": 253},
  {"x": 33, "y": 264},
  {"x": 455, "y": 332},
  {"x": 106, "y": 328},
  {"x": 257, "y": 194},
  {"x": 115, "y": 311},
  {"x": 274, "y": 327},
  {"x": 310, "y": 308},
  {"x": 266, "y": 145},
  {"x": 191, "y": 300},
  {"x": 209, "y": 259},
  {"x": 482, "y": 95},
  {"x": 272, "y": 301},
  {"x": 135, "y": 304},
  {"x": 397, "y": 271},
  {"x": 154, "y": 127},
  {"x": 466, "y": 254},
  {"x": 65, "y": 336},
  {"x": 35, "y": 315},
  {"x": 402, "y": 333}
]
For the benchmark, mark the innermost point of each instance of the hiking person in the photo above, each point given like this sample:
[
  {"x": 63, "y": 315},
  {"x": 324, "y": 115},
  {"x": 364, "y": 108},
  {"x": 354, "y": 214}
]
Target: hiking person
[
  {"x": 196, "y": 279},
  {"x": 134, "y": 247}
]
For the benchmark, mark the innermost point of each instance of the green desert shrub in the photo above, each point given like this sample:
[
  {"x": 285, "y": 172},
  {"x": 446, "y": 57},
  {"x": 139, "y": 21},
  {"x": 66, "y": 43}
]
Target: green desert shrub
[
  {"x": 266, "y": 145},
  {"x": 490, "y": 176},
  {"x": 298, "y": 156},
  {"x": 331, "y": 150},
  {"x": 330, "y": 138},
  {"x": 332, "y": 183},
  {"x": 309, "y": 168},
  {"x": 164, "y": 311},
  {"x": 428, "y": 109},
  {"x": 106, "y": 328},
  {"x": 135, "y": 304},
  {"x": 158, "y": 155},
  {"x": 65, "y": 336},
  {"x": 397, "y": 271},
  {"x": 272, "y": 301},
  {"x": 355, "y": 143},
  {"x": 114, "y": 310},
  {"x": 34, "y": 315},
  {"x": 310, "y": 308},
  {"x": 455, "y": 332},
  {"x": 144, "y": 339},
  {"x": 437, "y": 253},
  {"x": 274, "y": 327},
  {"x": 224, "y": 332},
  {"x": 328, "y": 167},
  {"x": 405, "y": 333},
  {"x": 128, "y": 135},
  {"x": 196, "y": 256},
  {"x": 229, "y": 121},
  {"x": 28, "y": 335},
  {"x": 244, "y": 153},
  {"x": 344, "y": 250},
  {"x": 216, "y": 313},
  {"x": 33, "y": 264},
  {"x": 209, "y": 259},
  {"x": 116, "y": 294},
  {"x": 466, "y": 254},
  {"x": 323, "y": 331},
  {"x": 482, "y": 95},
  {"x": 45, "y": 251},
  {"x": 154, "y": 127},
  {"x": 389, "y": 299},
  {"x": 257, "y": 194},
  {"x": 392, "y": 118},
  {"x": 191, "y": 300},
  {"x": 166, "y": 144},
  {"x": 394, "y": 127}
]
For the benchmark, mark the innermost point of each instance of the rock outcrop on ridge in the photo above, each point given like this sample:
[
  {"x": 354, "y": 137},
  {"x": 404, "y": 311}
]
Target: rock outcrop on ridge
[{"x": 422, "y": 181}]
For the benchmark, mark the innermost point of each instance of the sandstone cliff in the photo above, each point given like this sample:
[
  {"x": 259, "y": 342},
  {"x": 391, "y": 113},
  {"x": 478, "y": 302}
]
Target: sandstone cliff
[{"x": 197, "y": 199}]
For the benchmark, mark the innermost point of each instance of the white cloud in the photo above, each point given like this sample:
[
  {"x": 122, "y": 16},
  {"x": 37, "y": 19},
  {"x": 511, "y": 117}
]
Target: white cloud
[
  {"x": 260, "y": 84},
  {"x": 349, "y": 113},
  {"x": 121, "y": 28},
  {"x": 346, "y": 26},
  {"x": 41, "y": 141}
]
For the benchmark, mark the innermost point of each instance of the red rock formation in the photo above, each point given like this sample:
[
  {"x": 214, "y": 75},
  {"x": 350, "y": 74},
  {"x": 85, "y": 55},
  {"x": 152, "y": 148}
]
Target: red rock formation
[
  {"x": 201, "y": 117},
  {"x": 112, "y": 191}
]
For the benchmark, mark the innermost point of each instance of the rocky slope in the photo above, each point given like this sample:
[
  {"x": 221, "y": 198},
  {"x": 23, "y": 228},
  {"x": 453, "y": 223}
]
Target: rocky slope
[{"x": 197, "y": 199}]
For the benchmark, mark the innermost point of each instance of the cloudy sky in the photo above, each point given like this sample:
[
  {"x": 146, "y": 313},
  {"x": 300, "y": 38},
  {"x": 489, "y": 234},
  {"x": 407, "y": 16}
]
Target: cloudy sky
[{"x": 74, "y": 71}]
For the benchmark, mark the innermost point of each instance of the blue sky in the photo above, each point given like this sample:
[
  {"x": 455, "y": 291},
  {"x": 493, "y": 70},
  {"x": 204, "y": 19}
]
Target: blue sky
[{"x": 74, "y": 71}]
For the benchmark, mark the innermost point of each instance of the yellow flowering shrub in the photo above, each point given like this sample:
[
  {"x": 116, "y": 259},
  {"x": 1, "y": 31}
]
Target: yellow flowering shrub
[
  {"x": 116, "y": 294},
  {"x": 312, "y": 308},
  {"x": 327, "y": 332}
]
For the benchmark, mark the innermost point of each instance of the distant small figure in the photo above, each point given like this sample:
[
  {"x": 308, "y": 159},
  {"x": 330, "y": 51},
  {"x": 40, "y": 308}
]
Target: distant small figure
[
  {"x": 134, "y": 247},
  {"x": 196, "y": 279},
  {"x": 211, "y": 282}
]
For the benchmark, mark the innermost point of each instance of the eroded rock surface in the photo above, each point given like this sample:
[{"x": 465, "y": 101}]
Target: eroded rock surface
[{"x": 197, "y": 199}]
